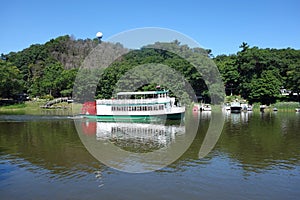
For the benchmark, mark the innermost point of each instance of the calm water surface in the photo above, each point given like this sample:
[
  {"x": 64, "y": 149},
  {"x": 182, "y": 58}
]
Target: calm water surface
[{"x": 256, "y": 157}]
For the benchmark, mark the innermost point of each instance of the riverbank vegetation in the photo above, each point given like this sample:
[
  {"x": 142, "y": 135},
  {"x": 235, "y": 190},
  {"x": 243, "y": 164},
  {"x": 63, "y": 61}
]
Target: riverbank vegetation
[
  {"x": 259, "y": 75},
  {"x": 29, "y": 107},
  {"x": 34, "y": 108}
]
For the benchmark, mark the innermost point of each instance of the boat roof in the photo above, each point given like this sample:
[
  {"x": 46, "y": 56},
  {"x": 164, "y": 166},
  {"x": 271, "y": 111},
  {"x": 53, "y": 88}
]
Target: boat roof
[{"x": 144, "y": 92}]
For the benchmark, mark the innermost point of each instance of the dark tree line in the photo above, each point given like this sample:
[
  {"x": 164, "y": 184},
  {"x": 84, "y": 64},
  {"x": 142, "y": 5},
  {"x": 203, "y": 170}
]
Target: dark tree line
[{"x": 256, "y": 74}]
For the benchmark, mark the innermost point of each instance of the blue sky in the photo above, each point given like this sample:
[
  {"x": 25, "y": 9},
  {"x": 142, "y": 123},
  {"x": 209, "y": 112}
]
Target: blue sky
[{"x": 218, "y": 25}]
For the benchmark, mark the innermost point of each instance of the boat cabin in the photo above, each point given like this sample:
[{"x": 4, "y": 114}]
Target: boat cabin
[
  {"x": 137, "y": 104},
  {"x": 143, "y": 95}
]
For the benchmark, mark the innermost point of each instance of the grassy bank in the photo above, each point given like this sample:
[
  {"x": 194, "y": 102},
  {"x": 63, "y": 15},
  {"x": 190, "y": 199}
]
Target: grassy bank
[
  {"x": 281, "y": 106},
  {"x": 286, "y": 106},
  {"x": 29, "y": 107},
  {"x": 34, "y": 108}
]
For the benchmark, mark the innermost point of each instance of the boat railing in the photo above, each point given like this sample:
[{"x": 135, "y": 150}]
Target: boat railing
[
  {"x": 130, "y": 101},
  {"x": 177, "y": 109}
]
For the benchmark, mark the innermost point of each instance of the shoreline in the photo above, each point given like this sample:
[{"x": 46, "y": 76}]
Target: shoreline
[{"x": 36, "y": 107}]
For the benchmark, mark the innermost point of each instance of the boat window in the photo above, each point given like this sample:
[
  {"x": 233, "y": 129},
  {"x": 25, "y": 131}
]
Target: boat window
[{"x": 161, "y": 107}]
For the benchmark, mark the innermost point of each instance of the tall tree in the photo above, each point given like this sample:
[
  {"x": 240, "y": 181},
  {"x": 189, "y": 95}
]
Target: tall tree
[
  {"x": 293, "y": 79},
  {"x": 229, "y": 71},
  {"x": 265, "y": 89},
  {"x": 10, "y": 80},
  {"x": 49, "y": 81}
]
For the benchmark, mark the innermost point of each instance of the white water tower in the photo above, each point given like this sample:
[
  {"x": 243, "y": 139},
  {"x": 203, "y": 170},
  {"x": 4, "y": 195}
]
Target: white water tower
[{"x": 99, "y": 35}]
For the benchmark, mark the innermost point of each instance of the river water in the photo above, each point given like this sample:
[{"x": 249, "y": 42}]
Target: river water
[{"x": 257, "y": 156}]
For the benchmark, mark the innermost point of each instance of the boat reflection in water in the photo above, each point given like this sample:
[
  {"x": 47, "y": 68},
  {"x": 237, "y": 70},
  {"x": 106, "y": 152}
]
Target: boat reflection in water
[
  {"x": 238, "y": 118},
  {"x": 138, "y": 137},
  {"x": 134, "y": 147}
]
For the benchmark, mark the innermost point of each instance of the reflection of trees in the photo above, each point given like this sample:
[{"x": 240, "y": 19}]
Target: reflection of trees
[
  {"x": 137, "y": 145},
  {"x": 51, "y": 145},
  {"x": 270, "y": 141},
  {"x": 264, "y": 142}
]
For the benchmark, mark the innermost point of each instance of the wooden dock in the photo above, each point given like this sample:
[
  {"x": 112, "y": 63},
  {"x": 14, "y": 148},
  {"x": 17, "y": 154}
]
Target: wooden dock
[{"x": 51, "y": 104}]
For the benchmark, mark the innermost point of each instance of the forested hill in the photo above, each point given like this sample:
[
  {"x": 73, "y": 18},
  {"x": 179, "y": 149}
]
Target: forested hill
[
  {"x": 64, "y": 49},
  {"x": 44, "y": 69},
  {"x": 50, "y": 69}
]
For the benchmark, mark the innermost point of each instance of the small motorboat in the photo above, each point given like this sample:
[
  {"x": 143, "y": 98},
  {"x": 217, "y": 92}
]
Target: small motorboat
[
  {"x": 250, "y": 108},
  {"x": 235, "y": 107},
  {"x": 205, "y": 107}
]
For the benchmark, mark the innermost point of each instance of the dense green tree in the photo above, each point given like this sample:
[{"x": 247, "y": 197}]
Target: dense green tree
[
  {"x": 65, "y": 82},
  {"x": 293, "y": 79},
  {"x": 49, "y": 80},
  {"x": 251, "y": 62},
  {"x": 229, "y": 71},
  {"x": 265, "y": 89},
  {"x": 10, "y": 80}
]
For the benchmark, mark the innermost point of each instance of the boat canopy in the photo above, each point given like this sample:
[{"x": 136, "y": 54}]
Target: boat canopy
[
  {"x": 142, "y": 93},
  {"x": 145, "y": 94}
]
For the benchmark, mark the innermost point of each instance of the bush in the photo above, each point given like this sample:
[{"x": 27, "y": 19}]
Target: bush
[
  {"x": 47, "y": 97},
  {"x": 286, "y": 105}
]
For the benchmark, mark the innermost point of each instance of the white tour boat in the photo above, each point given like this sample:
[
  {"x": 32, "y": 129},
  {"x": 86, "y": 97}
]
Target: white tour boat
[{"x": 134, "y": 106}]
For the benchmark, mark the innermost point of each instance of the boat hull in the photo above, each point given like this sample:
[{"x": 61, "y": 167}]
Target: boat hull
[
  {"x": 134, "y": 118},
  {"x": 235, "y": 109}
]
